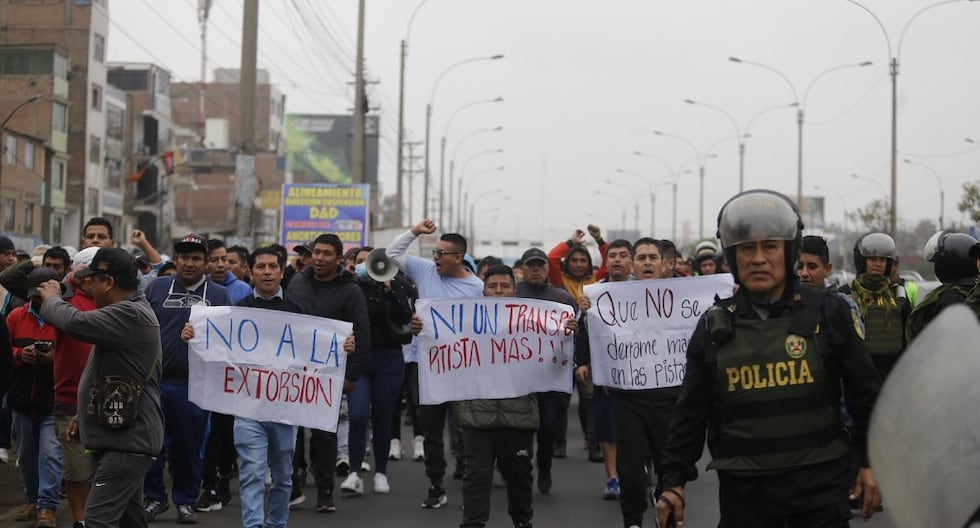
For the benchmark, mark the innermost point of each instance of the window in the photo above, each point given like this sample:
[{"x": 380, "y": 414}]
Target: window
[
  {"x": 114, "y": 117},
  {"x": 60, "y": 66},
  {"x": 8, "y": 213},
  {"x": 60, "y": 117},
  {"x": 96, "y": 98},
  {"x": 29, "y": 156},
  {"x": 11, "y": 150},
  {"x": 26, "y": 62},
  {"x": 58, "y": 175},
  {"x": 29, "y": 218},
  {"x": 94, "y": 149},
  {"x": 57, "y": 223},
  {"x": 113, "y": 174},
  {"x": 98, "y": 48}
]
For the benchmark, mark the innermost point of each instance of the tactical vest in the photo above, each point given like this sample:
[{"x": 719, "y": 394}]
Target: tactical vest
[
  {"x": 973, "y": 299},
  {"x": 884, "y": 333},
  {"x": 923, "y": 313},
  {"x": 776, "y": 404}
]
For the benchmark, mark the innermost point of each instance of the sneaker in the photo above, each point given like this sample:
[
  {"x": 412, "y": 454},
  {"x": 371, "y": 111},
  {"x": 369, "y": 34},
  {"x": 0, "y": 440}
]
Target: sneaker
[
  {"x": 224, "y": 491},
  {"x": 544, "y": 480},
  {"x": 152, "y": 508},
  {"x": 436, "y": 499},
  {"x": 352, "y": 485},
  {"x": 612, "y": 489},
  {"x": 343, "y": 467},
  {"x": 27, "y": 513},
  {"x": 395, "y": 451},
  {"x": 365, "y": 467},
  {"x": 45, "y": 519},
  {"x": 4, "y": 455},
  {"x": 296, "y": 496},
  {"x": 208, "y": 502},
  {"x": 324, "y": 502},
  {"x": 381, "y": 483},
  {"x": 78, "y": 524},
  {"x": 419, "y": 450},
  {"x": 595, "y": 454},
  {"x": 186, "y": 515}
]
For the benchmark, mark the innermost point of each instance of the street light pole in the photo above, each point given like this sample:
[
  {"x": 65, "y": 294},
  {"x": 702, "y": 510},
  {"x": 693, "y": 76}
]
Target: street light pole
[
  {"x": 939, "y": 181},
  {"x": 442, "y": 157},
  {"x": 800, "y": 113},
  {"x": 3, "y": 125},
  {"x": 738, "y": 135},
  {"x": 428, "y": 126},
  {"x": 403, "y": 54},
  {"x": 460, "y": 203},
  {"x": 653, "y": 200},
  {"x": 893, "y": 73},
  {"x": 700, "y": 161}
]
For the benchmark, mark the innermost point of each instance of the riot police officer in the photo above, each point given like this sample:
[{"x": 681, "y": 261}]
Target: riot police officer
[
  {"x": 765, "y": 369},
  {"x": 956, "y": 270},
  {"x": 884, "y": 304}
]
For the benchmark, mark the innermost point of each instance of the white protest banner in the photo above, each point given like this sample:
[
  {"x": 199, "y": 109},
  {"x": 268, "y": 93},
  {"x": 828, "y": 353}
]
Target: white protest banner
[
  {"x": 638, "y": 330},
  {"x": 268, "y": 365},
  {"x": 492, "y": 347}
]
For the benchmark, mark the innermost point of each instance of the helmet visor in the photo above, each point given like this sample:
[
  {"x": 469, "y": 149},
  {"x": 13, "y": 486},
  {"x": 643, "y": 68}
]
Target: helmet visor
[
  {"x": 877, "y": 245},
  {"x": 757, "y": 216},
  {"x": 931, "y": 248}
]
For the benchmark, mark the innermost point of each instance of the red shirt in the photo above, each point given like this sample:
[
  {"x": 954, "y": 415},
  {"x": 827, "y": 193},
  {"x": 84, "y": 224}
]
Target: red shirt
[{"x": 70, "y": 357}]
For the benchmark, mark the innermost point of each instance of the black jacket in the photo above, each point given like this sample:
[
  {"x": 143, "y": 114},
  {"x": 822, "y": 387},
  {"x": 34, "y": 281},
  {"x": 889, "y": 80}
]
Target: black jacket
[{"x": 339, "y": 299}]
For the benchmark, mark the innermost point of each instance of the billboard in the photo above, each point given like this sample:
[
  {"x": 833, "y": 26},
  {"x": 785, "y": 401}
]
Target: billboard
[
  {"x": 310, "y": 209},
  {"x": 318, "y": 148},
  {"x": 811, "y": 210}
]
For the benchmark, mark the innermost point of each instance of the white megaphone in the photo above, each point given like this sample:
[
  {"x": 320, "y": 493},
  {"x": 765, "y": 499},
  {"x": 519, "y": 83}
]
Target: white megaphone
[{"x": 379, "y": 266}]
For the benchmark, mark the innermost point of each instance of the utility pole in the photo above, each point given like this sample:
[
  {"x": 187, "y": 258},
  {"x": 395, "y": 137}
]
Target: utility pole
[
  {"x": 203, "y": 7},
  {"x": 245, "y": 161},
  {"x": 360, "y": 106},
  {"x": 399, "y": 198},
  {"x": 412, "y": 160}
]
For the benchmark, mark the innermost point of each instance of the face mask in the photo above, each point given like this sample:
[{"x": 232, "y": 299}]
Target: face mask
[{"x": 360, "y": 271}]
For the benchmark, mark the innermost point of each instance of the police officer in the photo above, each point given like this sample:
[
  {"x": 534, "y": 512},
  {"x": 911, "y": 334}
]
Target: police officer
[
  {"x": 765, "y": 369},
  {"x": 955, "y": 268},
  {"x": 884, "y": 304}
]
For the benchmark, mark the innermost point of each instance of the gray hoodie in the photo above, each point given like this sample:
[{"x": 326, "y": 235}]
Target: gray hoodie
[{"x": 126, "y": 336}]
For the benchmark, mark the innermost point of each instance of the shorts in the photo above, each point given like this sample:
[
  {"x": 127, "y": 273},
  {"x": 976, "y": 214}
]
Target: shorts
[
  {"x": 605, "y": 417},
  {"x": 76, "y": 462}
]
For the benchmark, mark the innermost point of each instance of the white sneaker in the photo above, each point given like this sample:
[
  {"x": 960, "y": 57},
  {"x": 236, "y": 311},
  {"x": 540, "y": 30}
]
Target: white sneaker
[
  {"x": 395, "y": 452},
  {"x": 352, "y": 484},
  {"x": 381, "y": 483},
  {"x": 419, "y": 453},
  {"x": 365, "y": 467},
  {"x": 4, "y": 455}
]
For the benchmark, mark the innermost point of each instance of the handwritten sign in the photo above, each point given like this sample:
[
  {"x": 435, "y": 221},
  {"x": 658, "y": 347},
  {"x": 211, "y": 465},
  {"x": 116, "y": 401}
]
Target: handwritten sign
[
  {"x": 491, "y": 348},
  {"x": 638, "y": 330},
  {"x": 268, "y": 365}
]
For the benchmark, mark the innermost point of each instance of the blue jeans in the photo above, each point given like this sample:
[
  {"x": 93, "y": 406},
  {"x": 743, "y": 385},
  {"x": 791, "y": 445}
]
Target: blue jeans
[
  {"x": 261, "y": 445},
  {"x": 375, "y": 394},
  {"x": 185, "y": 434},
  {"x": 39, "y": 456}
]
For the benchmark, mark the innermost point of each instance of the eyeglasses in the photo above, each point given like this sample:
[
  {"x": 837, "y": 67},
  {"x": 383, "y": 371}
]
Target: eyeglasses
[{"x": 439, "y": 253}]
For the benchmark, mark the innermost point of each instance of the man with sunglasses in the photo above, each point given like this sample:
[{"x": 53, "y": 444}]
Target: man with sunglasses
[{"x": 443, "y": 277}]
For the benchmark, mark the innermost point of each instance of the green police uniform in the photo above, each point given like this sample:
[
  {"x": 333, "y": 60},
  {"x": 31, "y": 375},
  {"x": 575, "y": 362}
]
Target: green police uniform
[{"x": 765, "y": 383}]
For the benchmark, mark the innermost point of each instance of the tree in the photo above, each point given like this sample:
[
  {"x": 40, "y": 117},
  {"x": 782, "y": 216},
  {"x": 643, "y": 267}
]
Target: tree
[
  {"x": 875, "y": 216},
  {"x": 970, "y": 202}
]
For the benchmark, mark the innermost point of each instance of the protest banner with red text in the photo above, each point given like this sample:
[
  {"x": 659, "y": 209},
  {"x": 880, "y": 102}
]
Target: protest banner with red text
[
  {"x": 639, "y": 330},
  {"x": 268, "y": 365},
  {"x": 491, "y": 348}
]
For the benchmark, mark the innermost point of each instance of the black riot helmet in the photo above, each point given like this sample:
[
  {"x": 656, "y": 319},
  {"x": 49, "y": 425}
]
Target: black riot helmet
[
  {"x": 756, "y": 215},
  {"x": 950, "y": 253},
  {"x": 874, "y": 245}
]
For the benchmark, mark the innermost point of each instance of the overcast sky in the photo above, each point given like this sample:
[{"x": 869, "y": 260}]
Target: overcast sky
[{"x": 585, "y": 86}]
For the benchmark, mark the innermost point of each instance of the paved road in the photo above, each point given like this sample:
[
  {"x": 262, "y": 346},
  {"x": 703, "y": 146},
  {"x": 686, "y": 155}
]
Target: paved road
[{"x": 575, "y": 501}]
